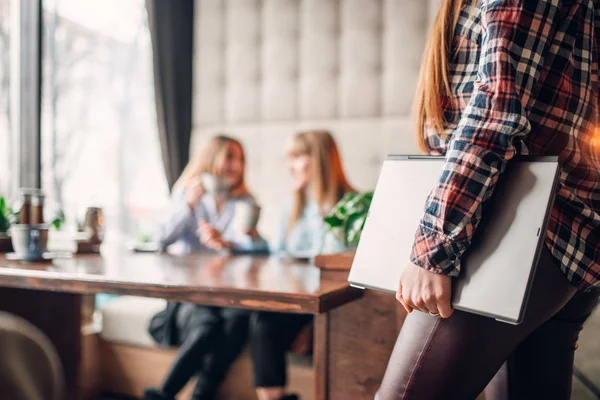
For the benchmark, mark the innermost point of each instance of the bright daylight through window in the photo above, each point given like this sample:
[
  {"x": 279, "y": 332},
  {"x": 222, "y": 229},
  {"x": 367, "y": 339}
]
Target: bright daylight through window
[
  {"x": 5, "y": 142},
  {"x": 99, "y": 137}
]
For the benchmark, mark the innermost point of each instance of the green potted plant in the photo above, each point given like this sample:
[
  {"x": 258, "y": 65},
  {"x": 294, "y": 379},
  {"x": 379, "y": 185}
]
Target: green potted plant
[
  {"x": 347, "y": 218},
  {"x": 7, "y": 218},
  {"x": 58, "y": 220},
  {"x": 4, "y": 217}
]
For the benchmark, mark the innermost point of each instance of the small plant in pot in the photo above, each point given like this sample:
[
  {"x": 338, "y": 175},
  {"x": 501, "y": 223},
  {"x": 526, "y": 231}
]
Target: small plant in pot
[
  {"x": 7, "y": 217},
  {"x": 58, "y": 219},
  {"x": 347, "y": 218}
]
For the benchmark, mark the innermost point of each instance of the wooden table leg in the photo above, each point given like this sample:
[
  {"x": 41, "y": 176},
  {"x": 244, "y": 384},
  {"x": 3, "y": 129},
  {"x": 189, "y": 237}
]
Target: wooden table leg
[
  {"x": 321, "y": 357},
  {"x": 58, "y": 315},
  {"x": 361, "y": 336}
]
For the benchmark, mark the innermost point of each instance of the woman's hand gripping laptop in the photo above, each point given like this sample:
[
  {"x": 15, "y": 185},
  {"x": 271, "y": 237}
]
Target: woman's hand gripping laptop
[{"x": 422, "y": 290}]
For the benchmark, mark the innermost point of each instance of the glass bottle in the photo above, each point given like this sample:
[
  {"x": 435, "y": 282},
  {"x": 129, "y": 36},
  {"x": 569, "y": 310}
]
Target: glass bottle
[
  {"x": 37, "y": 207},
  {"x": 25, "y": 214}
]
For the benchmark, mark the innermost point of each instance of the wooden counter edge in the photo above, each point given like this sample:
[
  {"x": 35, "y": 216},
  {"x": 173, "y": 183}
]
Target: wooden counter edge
[{"x": 337, "y": 261}]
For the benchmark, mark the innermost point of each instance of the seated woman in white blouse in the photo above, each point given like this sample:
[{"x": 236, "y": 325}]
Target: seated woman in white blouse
[
  {"x": 318, "y": 182},
  {"x": 201, "y": 218},
  {"x": 206, "y": 200}
]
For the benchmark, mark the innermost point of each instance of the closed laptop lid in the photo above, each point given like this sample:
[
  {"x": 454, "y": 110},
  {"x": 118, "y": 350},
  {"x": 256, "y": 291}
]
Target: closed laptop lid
[{"x": 496, "y": 270}]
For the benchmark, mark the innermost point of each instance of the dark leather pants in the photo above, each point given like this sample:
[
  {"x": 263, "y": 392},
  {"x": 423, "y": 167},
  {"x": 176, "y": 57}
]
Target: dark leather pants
[{"x": 457, "y": 357}]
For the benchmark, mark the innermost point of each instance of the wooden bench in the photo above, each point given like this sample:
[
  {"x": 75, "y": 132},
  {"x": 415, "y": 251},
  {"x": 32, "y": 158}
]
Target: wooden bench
[{"x": 129, "y": 361}]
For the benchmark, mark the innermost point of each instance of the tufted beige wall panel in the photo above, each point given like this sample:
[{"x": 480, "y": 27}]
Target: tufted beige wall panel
[
  {"x": 265, "y": 69},
  {"x": 286, "y": 60}
]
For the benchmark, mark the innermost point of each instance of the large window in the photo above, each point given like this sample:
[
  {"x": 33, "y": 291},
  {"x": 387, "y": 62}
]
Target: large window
[
  {"x": 99, "y": 136},
  {"x": 5, "y": 132}
]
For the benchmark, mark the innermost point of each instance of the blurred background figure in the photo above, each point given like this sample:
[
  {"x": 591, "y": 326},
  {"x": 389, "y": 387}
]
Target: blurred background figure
[
  {"x": 318, "y": 183},
  {"x": 208, "y": 201}
]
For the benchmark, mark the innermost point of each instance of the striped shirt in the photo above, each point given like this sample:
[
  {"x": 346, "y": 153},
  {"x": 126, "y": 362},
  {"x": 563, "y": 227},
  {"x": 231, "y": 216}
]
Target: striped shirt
[{"x": 524, "y": 78}]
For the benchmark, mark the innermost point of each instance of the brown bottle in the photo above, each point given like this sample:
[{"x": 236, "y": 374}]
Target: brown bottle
[
  {"x": 25, "y": 214},
  {"x": 37, "y": 207}
]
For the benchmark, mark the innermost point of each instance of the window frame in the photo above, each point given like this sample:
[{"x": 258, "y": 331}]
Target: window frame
[{"x": 25, "y": 95}]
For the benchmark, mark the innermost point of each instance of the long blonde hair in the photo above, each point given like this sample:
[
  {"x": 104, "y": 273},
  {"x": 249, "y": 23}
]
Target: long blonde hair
[
  {"x": 434, "y": 90},
  {"x": 207, "y": 161},
  {"x": 329, "y": 180}
]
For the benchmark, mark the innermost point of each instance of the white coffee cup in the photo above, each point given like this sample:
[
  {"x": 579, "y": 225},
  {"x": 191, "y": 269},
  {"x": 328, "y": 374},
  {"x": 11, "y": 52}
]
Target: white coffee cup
[
  {"x": 214, "y": 186},
  {"x": 29, "y": 240},
  {"x": 245, "y": 217}
]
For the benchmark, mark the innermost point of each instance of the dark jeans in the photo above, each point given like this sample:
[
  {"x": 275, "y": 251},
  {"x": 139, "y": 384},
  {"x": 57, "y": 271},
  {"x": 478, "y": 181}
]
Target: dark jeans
[
  {"x": 456, "y": 358},
  {"x": 212, "y": 339},
  {"x": 271, "y": 336}
]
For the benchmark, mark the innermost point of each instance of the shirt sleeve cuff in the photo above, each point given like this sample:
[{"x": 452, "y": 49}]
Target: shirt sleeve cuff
[
  {"x": 245, "y": 243},
  {"x": 436, "y": 253}
]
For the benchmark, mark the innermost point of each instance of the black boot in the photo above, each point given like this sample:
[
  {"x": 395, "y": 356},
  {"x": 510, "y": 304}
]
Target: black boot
[{"x": 156, "y": 394}]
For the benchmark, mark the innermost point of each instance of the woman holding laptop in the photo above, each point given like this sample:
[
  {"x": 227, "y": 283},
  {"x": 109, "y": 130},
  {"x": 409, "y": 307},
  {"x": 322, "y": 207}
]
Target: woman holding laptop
[{"x": 501, "y": 78}]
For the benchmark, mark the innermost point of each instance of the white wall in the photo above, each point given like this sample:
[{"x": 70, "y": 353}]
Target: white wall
[{"x": 268, "y": 68}]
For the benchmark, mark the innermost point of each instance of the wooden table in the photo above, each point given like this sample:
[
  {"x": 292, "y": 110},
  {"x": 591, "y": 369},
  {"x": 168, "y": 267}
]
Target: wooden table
[{"x": 49, "y": 294}]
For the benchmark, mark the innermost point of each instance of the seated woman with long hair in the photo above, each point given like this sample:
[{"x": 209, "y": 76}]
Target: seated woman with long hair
[
  {"x": 318, "y": 182},
  {"x": 202, "y": 218}
]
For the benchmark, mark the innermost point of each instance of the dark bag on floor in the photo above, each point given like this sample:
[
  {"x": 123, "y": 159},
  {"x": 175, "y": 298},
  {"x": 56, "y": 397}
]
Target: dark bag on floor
[{"x": 163, "y": 326}]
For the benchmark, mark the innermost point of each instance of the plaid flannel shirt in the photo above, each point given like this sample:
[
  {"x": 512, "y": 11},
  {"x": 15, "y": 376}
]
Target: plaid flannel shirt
[{"x": 524, "y": 77}]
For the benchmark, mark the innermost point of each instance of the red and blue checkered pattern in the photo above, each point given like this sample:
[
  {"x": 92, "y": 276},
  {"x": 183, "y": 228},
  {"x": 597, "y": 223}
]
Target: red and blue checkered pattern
[{"x": 524, "y": 77}]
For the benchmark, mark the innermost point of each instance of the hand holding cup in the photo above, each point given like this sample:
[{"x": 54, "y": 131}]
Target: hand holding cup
[
  {"x": 211, "y": 238},
  {"x": 194, "y": 192}
]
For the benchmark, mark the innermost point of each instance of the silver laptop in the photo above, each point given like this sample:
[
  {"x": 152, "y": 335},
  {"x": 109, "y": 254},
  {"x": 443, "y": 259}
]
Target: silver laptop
[{"x": 497, "y": 269}]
